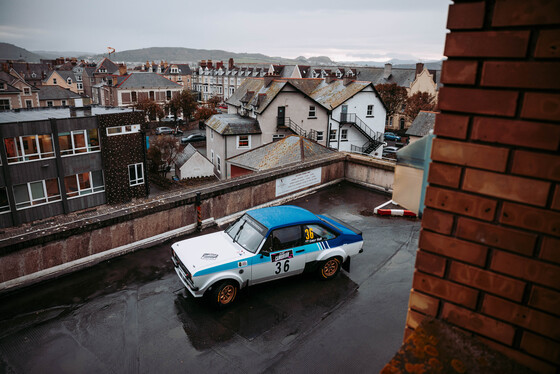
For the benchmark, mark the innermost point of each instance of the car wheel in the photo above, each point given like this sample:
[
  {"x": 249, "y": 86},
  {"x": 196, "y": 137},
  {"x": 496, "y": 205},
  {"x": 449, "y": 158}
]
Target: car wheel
[
  {"x": 224, "y": 294},
  {"x": 329, "y": 269}
]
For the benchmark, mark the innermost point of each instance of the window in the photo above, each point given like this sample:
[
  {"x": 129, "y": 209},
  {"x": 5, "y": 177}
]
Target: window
[
  {"x": 284, "y": 238},
  {"x": 84, "y": 183},
  {"x": 369, "y": 112},
  {"x": 332, "y": 134},
  {"x": 80, "y": 86},
  {"x": 344, "y": 134},
  {"x": 5, "y": 104},
  {"x": 312, "y": 113},
  {"x": 136, "y": 174},
  {"x": 212, "y": 156},
  {"x": 29, "y": 104},
  {"x": 219, "y": 164},
  {"x": 80, "y": 141},
  {"x": 122, "y": 130},
  {"x": 29, "y": 148},
  {"x": 78, "y": 79},
  {"x": 244, "y": 141},
  {"x": 168, "y": 95},
  {"x": 4, "y": 204},
  {"x": 134, "y": 96},
  {"x": 54, "y": 81},
  {"x": 316, "y": 233},
  {"x": 402, "y": 123},
  {"x": 69, "y": 80},
  {"x": 276, "y": 137},
  {"x": 26, "y": 91},
  {"x": 231, "y": 90},
  {"x": 63, "y": 102},
  {"x": 36, "y": 193},
  {"x": 2, "y": 86},
  {"x": 212, "y": 134},
  {"x": 320, "y": 135},
  {"x": 50, "y": 103}
]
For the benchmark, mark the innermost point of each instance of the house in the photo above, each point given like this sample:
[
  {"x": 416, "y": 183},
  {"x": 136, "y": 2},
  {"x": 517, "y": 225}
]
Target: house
[
  {"x": 56, "y": 96},
  {"x": 191, "y": 164},
  {"x": 288, "y": 151},
  {"x": 128, "y": 90},
  {"x": 102, "y": 72},
  {"x": 65, "y": 79},
  {"x": 32, "y": 72},
  {"x": 61, "y": 160},
  {"x": 15, "y": 92},
  {"x": 421, "y": 126},
  {"x": 180, "y": 74}
]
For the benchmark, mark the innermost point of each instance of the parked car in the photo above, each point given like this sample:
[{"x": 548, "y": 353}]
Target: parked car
[
  {"x": 170, "y": 119},
  {"x": 164, "y": 131},
  {"x": 263, "y": 245},
  {"x": 193, "y": 138},
  {"x": 391, "y": 136}
]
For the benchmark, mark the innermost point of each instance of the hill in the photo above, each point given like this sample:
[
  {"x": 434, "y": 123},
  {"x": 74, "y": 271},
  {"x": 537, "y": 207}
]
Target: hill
[{"x": 11, "y": 52}]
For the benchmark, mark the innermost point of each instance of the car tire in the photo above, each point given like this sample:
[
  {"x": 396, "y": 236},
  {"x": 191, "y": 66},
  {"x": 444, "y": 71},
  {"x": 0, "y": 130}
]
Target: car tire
[
  {"x": 329, "y": 268},
  {"x": 224, "y": 294}
]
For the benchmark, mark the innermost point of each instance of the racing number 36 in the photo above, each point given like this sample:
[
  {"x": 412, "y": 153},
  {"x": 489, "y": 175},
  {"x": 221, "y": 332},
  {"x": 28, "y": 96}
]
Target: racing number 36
[
  {"x": 309, "y": 233},
  {"x": 280, "y": 267}
]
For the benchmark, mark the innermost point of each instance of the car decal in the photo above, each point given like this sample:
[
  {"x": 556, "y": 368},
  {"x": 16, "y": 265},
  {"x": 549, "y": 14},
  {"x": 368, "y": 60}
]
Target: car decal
[
  {"x": 242, "y": 264},
  {"x": 281, "y": 255}
]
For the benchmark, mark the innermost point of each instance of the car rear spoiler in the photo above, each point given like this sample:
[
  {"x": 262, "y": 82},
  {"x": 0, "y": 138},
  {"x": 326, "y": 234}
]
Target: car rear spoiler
[{"x": 343, "y": 224}]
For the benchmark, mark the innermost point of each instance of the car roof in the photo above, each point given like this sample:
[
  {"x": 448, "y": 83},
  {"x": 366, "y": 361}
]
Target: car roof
[{"x": 285, "y": 215}]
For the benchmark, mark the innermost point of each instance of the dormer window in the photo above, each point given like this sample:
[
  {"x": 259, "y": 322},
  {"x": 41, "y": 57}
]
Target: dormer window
[
  {"x": 174, "y": 70},
  {"x": 33, "y": 75},
  {"x": 69, "y": 80},
  {"x": 102, "y": 70},
  {"x": 2, "y": 86},
  {"x": 26, "y": 91}
]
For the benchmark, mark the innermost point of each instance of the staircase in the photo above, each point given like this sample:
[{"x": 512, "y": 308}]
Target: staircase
[
  {"x": 375, "y": 138},
  {"x": 286, "y": 122}
]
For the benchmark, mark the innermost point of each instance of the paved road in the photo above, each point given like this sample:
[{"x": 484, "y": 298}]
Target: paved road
[{"x": 132, "y": 315}]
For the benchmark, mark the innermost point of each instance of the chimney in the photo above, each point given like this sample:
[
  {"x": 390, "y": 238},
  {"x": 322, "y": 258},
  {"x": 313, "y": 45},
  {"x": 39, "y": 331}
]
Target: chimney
[
  {"x": 202, "y": 64},
  {"x": 219, "y": 65},
  {"x": 122, "y": 69},
  {"x": 261, "y": 98},
  {"x": 387, "y": 70},
  {"x": 419, "y": 68},
  {"x": 330, "y": 78},
  {"x": 347, "y": 80},
  {"x": 230, "y": 64},
  {"x": 210, "y": 64},
  {"x": 268, "y": 78}
]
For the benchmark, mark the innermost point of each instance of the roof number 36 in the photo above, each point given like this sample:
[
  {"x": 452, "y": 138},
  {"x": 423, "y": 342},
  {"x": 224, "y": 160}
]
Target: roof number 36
[{"x": 285, "y": 267}]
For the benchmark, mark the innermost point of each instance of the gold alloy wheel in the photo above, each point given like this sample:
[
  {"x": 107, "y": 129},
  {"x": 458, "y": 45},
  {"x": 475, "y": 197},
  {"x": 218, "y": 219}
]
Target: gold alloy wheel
[
  {"x": 330, "y": 267},
  {"x": 226, "y": 294}
]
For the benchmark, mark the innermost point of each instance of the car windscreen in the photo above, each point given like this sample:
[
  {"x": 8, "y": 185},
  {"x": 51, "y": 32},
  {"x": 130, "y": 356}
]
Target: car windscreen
[{"x": 247, "y": 232}]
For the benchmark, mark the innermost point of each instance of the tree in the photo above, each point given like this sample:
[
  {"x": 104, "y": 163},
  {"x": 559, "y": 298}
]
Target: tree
[
  {"x": 163, "y": 153},
  {"x": 214, "y": 101},
  {"x": 203, "y": 113},
  {"x": 184, "y": 102},
  {"x": 417, "y": 102},
  {"x": 152, "y": 109},
  {"x": 393, "y": 96}
]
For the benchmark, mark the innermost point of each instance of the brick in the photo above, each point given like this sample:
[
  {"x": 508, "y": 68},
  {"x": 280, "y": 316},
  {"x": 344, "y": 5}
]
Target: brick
[
  {"x": 539, "y": 165},
  {"x": 446, "y": 290},
  {"x": 545, "y": 106},
  {"x": 548, "y": 44},
  {"x": 539, "y": 366},
  {"x": 451, "y": 126},
  {"x": 496, "y": 236},
  {"x": 459, "y": 72},
  {"x": 478, "y": 323},
  {"x": 541, "y": 347},
  {"x": 550, "y": 249},
  {"x": 466, "y": 16},
  {"x": 540, "y": 220},
  {"x": 556, "y": 198},
  {"x": 487, "y": 44},
  {"x": 525, "y": 268},
  {"x": 437, "y": 221},
  {"x": 479, "y": 101},
  {"x": 487, "y": 281},
  {"x": 414, "y": 319},
  {"x": 523, "y": 316},
  {"x": 470, "y": 154},
  {"x": 461, "y": 203},
  {"x": 444, "y": 174},
  {"x": 452, "y": 247},
  {"x": 423, "y": 303},
  {"x": 523, "y": 133},
  {"x": 541, "y": 75},
  {"x": 508, "y": 187},
  {"x": 525, "y": 13},
  {"x": 429, "y": 263},
  {"x": 545, "y": 299}
]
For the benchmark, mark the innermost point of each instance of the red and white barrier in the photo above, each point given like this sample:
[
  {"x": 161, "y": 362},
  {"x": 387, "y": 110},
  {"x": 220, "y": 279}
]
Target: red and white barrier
[{"x": 393, "y": 212}]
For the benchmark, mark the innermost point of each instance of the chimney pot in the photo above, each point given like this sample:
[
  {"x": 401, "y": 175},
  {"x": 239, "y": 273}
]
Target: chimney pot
[
  {"x": 387, "y": 70},
  {"x": 419, "y": 68}
]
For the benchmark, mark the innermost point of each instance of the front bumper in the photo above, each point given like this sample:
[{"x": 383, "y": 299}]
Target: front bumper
[{"x": 186, "y": 280}]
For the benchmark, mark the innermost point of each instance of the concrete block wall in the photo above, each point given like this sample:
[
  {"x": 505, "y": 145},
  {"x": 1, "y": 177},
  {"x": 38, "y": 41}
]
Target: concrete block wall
[{"x": 489, "y": 252}]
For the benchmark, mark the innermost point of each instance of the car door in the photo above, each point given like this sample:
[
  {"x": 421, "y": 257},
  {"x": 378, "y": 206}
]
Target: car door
[{"x": 281, "y": 255}]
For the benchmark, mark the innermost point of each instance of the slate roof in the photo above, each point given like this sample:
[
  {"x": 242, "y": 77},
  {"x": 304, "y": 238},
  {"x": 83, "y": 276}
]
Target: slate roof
[
  {"x": 283, "y": 152},
  {"x": 41, "y": 114},
  {"x": 56, "y": 93},
  {"x": 139, "y": 80},
  {"x": 185, "y": 156},
  {"x": 8, "y": 79},
  {"x": 64, "y": 74},
  {"x": 111, "y": 67},
  {"x": 422, "y": 124},
  {"x": 184, "y": 69},
  {"x": 233, "y": 124}
]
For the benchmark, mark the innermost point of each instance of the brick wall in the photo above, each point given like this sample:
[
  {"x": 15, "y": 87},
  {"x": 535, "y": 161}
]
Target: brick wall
[{"x": 489, "y": 251}]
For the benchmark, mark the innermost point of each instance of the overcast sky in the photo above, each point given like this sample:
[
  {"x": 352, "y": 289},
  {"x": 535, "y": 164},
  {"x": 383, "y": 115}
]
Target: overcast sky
[{"x": 344, "y": 30}]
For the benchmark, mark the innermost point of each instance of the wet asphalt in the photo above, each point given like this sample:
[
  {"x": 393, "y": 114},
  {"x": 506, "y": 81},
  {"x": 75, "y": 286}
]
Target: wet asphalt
[{"x": 132, "y": 314}]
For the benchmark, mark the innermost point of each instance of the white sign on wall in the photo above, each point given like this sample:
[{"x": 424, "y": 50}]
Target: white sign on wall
[{"x": 298, "y": 181}]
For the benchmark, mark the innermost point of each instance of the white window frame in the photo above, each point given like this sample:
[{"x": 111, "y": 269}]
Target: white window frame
[
  {"x": 79, "y": 150},
  {"x": 219, "y": 164},
  {"x": 139, "y": 169},
  {"x": 276, "y": 137},
  {"x": 332, "y": 135},
  {"x": 50, "y": 103},
  {"x": 312, "y": 111},
  {"x": 369, "y": 112},
  {"x": 92, "y": 189},
  {"x": 29, "y": 101},
  {"x": 122, "y": 130},
  {"x": 80, "y": 86},
  {"x": 26, "y": 91},
  {"x": 24, "y": 157},
  {"x": 239, "y": 140},
  {"x": 33, "y": 202},
  {"x": 320, "y": 135},
  {"x": 343, "y": 134},
  {"x": 3, "y": 106},
  {"x": 69, "y": 80}
]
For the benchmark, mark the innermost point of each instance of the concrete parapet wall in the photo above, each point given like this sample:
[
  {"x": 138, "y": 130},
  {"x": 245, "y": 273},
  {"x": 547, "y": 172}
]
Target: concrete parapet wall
[{"x": 50, "y": 251}]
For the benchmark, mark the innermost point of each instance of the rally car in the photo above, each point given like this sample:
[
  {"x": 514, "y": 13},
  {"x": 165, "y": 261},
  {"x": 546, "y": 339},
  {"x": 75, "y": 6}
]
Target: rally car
[{"x": 263, "y": 245}]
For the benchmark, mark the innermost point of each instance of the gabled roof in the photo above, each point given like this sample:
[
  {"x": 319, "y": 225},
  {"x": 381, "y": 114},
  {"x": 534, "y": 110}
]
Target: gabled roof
[
  {"x": 138, "y": 80},
  {"x": 184, "y": 69},
  {"x": 56, "y": 93},
  {"x": 233, "y": 124},
  {"x": 185, "y": 156},
  {"x": 422, "y": 124},
  {"x": 290, "y": 150},
  {"x": 64, "y": 74},
  {"x": 109, "y": 65}
]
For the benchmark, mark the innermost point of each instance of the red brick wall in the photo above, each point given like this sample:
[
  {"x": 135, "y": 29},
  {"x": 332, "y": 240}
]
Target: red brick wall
[{"x": 489, "y": 251}]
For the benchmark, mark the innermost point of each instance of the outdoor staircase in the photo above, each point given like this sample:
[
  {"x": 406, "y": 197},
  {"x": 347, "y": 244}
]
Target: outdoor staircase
[
  {"x": 374, "y": 138},
  {"x": 286, "y": 122}
]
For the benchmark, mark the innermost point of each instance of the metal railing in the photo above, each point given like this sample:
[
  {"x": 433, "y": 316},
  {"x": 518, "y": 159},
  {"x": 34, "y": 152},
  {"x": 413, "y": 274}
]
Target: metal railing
[{"x": 287, "y": 122}]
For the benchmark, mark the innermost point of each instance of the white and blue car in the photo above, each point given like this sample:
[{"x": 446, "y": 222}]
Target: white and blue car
[{"x": 263, "y": 245}]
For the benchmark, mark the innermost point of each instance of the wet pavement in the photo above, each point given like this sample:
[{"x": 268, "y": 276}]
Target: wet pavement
[{"x": 132, "y": 315}]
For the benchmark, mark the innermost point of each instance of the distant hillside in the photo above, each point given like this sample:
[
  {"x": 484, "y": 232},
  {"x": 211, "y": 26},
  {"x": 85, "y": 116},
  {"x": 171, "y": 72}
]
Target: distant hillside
[
  {"x": 54, "y": 54},
  {"x": 12, "y": 52},
  {"x": 176, "y": 54}
]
